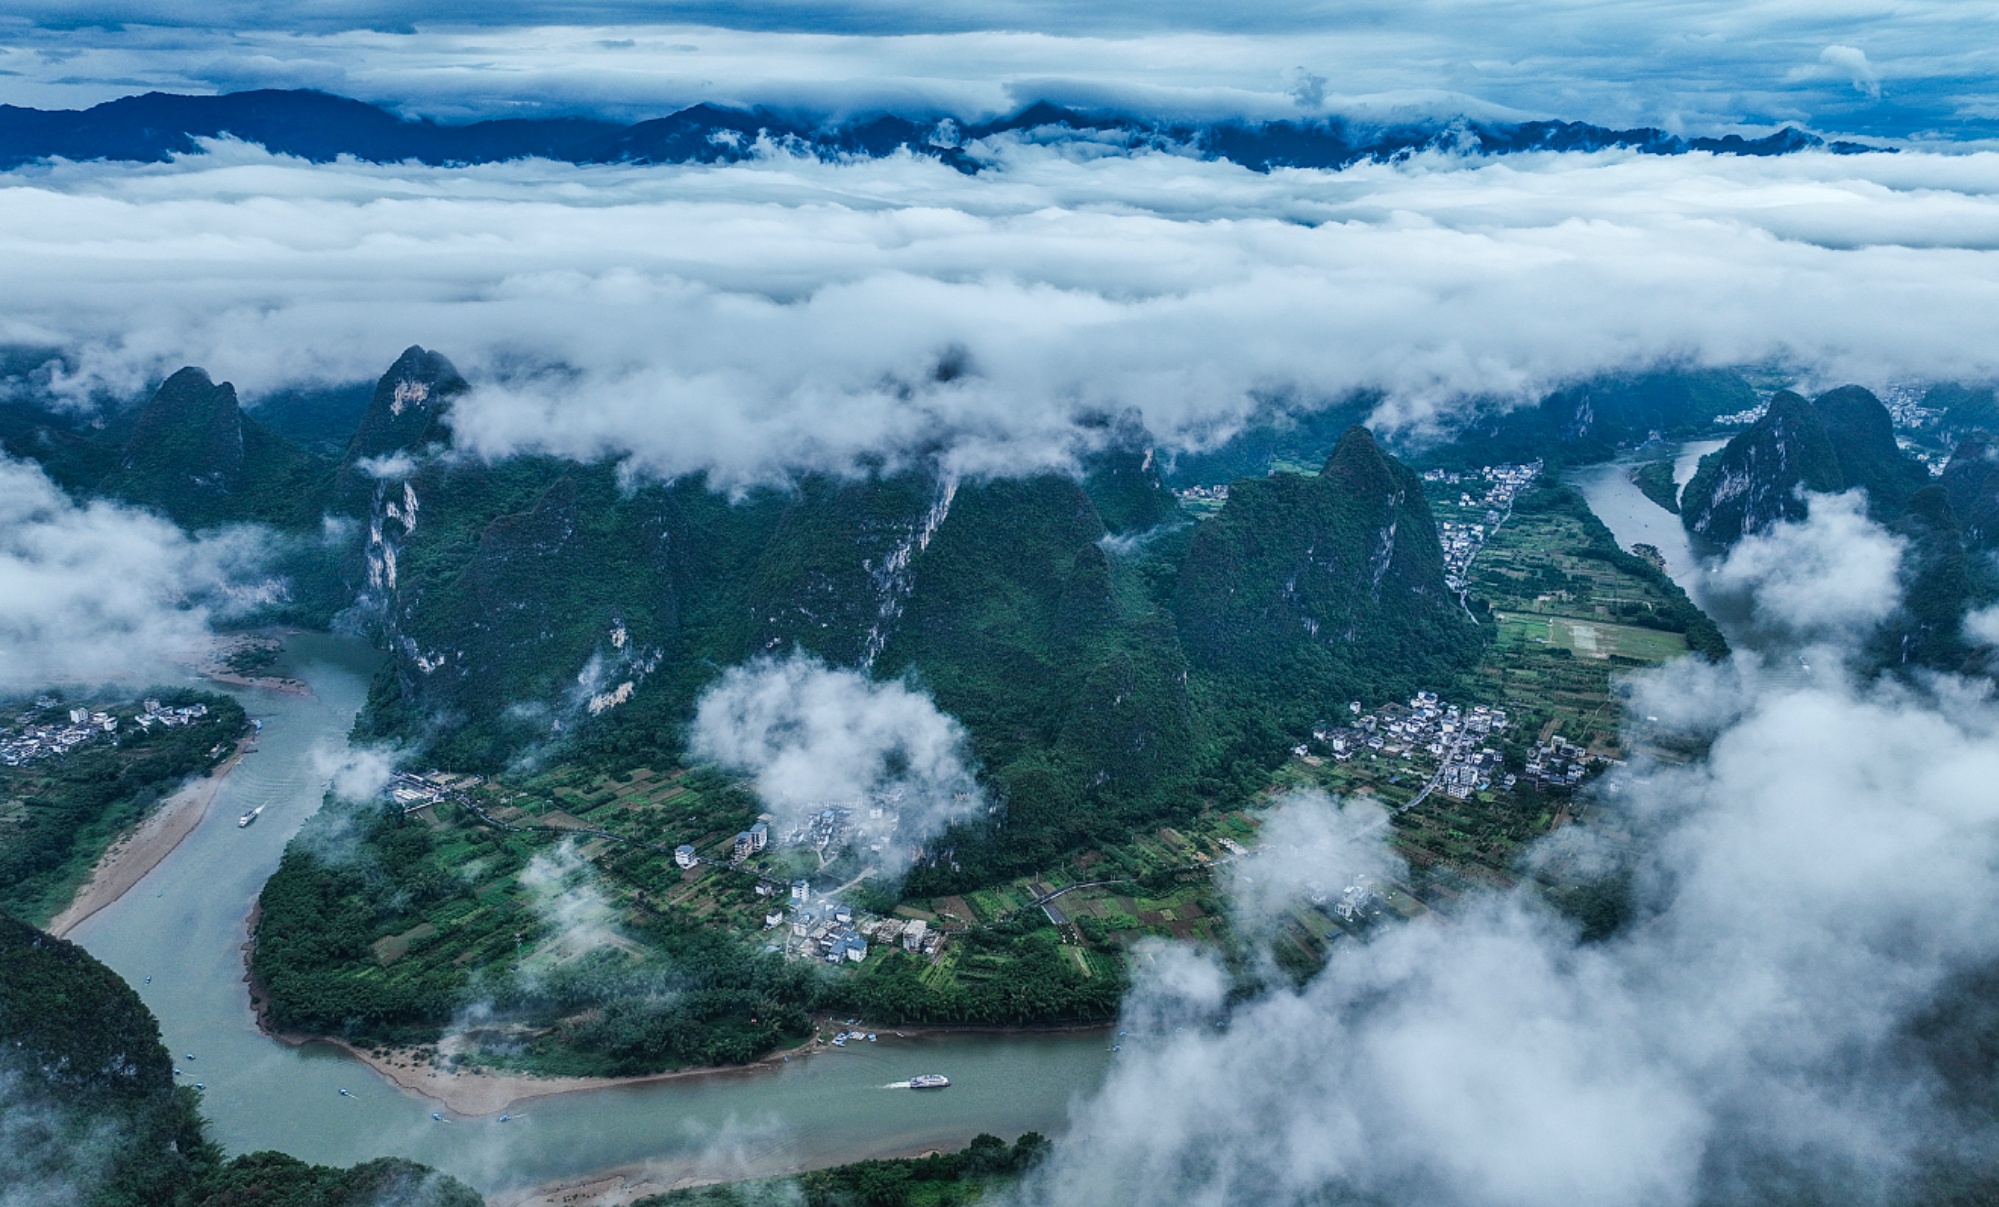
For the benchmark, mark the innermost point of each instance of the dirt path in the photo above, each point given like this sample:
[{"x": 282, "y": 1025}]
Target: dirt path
[{"x": 140, "y": 851}]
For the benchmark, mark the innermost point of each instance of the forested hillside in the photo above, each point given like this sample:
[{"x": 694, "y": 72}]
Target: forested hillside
[{"x": 90, "y": 1113}]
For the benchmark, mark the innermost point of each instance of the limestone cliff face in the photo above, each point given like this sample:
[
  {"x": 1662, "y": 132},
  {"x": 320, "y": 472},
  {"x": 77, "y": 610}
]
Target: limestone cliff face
[
  {"x": 1757, "y": 479},
  {"x": 1841, "y": 440},
  {"x": 409, "y": 407}
]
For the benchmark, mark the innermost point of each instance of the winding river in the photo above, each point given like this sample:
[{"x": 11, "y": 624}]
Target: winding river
[{"x": 185, "y": 924}]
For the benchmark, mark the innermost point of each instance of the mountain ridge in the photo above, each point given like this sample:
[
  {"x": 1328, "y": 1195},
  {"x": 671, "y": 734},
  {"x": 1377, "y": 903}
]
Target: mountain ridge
[{"x": 321, "y": 127}]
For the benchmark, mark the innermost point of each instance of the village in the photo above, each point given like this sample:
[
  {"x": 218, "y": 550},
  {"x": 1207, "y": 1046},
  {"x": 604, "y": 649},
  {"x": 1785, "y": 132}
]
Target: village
[
  {"x": 1492, "y": 488},
  {"x": 35, "y": 736},
  {"x": 1457, "y": 739},
  {"x": 802, "y": 924}
]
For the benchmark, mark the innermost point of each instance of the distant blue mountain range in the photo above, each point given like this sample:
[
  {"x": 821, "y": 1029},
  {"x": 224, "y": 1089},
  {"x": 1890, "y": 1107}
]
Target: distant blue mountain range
[{"x": 320, "y": 127}]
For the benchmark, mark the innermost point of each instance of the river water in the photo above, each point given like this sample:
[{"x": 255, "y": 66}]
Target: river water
[
  {"x": 185, "y": 924},
  {"x": 1634, "y": 519}
]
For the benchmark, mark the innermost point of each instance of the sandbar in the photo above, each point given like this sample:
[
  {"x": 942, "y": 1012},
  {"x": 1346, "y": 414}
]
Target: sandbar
[{"x": 129, "y": 859}]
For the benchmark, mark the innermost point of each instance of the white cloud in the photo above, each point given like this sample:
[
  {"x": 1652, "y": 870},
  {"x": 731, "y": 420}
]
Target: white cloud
[
  {"x": 788, "y": 312},
  {"x": 103, "y": 592},
  {"x": 1312, "y": 847},
  {"x": 1853, "y": 61},
  {"x": 1982, "y": 625},
  {"x": 1830, "y": 578},
  {"x": 815, "y": 737},
  {"x": 1803, "y": 894},
  {"x": 1690, "y": 64},
  {"x": 355, "y": 773},
  {"x": 563, "y": 891}
]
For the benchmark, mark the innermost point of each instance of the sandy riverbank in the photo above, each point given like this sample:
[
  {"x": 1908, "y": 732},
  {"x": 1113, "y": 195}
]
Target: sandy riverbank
[
  {"x": 140, "y": 851},
  {"x": 474, "y": 1092},
  {"x": 629, "y": 1183},
  {"x": 269, "y": 683}
]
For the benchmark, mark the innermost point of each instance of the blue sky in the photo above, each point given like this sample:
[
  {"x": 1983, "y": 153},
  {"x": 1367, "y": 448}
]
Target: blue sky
[{"x": 1919, "y": 69}]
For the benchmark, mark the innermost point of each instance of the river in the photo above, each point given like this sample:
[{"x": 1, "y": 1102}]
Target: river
[
  {"x": 185, "y": 924},
  {"x": 1634, "y": 519}
]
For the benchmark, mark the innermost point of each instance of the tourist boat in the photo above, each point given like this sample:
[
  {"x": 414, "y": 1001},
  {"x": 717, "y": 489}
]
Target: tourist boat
[
  {"x": 249, "y": 817},
  {"x": 929, "y": 1081}
]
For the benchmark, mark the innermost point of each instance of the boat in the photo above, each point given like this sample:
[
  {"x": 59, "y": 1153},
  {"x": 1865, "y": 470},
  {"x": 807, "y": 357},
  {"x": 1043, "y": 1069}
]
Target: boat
[
  {"x": 929, "y": 1081},
  {"x": 249, "y": 817}
]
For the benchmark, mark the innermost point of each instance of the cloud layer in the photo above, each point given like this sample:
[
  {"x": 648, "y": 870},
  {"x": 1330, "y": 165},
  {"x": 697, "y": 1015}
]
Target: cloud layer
[
  {"x": 1803, "y": 896},
  {"x": 1916, "y": 67},
  {"x": 815, "y": 737},
  {"x": 788, "y": 312},
  {"x": 101, "y": 592}
]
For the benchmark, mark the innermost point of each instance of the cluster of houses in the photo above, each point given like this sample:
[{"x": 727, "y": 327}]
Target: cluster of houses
[
  {"x": 1203, "y": 494},
  {"x": 838, "y": 934},
  {"x": 412, "y": 790},
  {"x": 1492, "y": 488},
  {"x": 1426, "y": 726},
  {"x": 34, "y": 739},
  {"x": 1559, "y": 762}
]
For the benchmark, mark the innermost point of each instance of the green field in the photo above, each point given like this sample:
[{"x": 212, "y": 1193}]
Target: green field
[{"x": 1593, "y": 638}]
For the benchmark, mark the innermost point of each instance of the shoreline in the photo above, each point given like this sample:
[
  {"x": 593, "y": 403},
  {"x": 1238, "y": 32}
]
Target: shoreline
[
  {"x": 269, "y": 683},
  {"x": 474, "y": 1093},
  {"x": 622, "y": 1185},
  {"x": 135, "y": 854}
]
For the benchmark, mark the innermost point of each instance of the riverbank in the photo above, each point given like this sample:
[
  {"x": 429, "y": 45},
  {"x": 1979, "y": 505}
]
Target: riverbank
[
  {"x": 477, "y": 1092},
  {"x": 131, "y": 858},
  {"x": 269, "y": 683},
  {"x": 628, "y": 1184}
]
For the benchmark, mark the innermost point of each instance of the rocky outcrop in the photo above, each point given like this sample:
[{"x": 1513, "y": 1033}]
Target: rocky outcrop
[{"x": 1759, "y": 478}]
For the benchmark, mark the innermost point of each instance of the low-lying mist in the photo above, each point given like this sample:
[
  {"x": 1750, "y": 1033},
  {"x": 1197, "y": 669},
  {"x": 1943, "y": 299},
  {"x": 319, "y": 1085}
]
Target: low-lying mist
[
  {"x": 815, "y": 737},
  {"x": 1791, "y": 1015},
  {"x": 786, "y": 313}
]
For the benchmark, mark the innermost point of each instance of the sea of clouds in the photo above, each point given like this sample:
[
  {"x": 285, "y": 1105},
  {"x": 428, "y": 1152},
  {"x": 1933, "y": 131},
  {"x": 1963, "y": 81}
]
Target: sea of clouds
[
  {"x": 754, "y": 319},
  {"x": 96, "y": 592}
]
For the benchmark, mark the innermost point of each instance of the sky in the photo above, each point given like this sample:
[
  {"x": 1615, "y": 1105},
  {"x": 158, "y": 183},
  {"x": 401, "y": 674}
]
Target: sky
[{"x": 1908, "y": 69}]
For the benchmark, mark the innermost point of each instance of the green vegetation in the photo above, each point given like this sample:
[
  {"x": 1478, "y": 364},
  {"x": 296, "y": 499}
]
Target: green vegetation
[
  {"x": 1573, "y": 612},
  {"x": 94, "y": 1117},
  {"x": 193, "y": 454},
  {"x": 1655, "y": 478},
  {"x": 384, "y": 928},
  {"x": 937, "y": 1180},
  {"x": 1590, "y": 421},
  {"x": 1307, "y": 592},
  {"x": 59, "y": 814}
]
